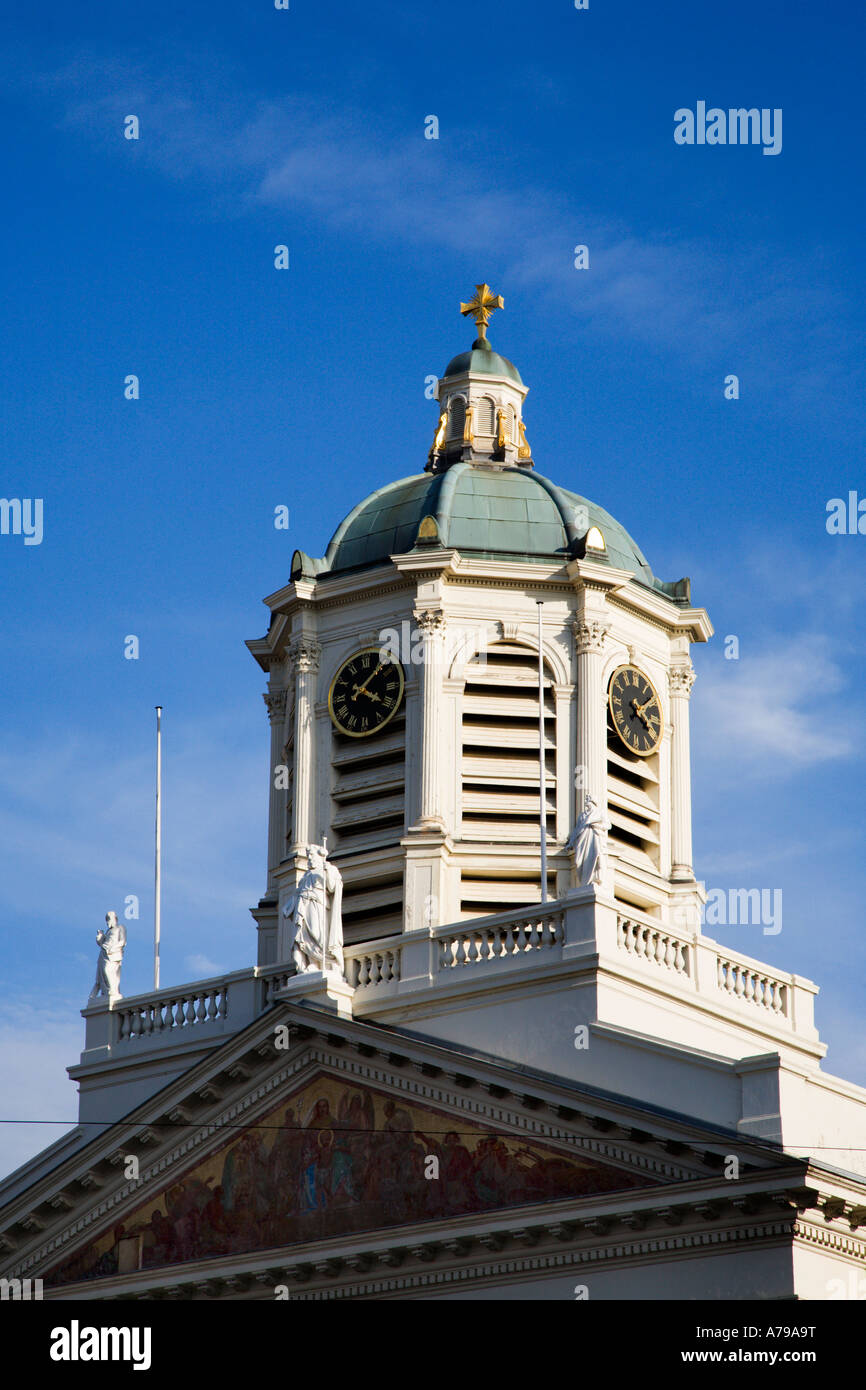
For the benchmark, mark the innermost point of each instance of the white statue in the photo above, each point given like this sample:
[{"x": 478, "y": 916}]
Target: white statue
[
  {"x": 588, "y": 841},
  {"x": 313, "y": 914},
  {"x": 111, "y": 943}
]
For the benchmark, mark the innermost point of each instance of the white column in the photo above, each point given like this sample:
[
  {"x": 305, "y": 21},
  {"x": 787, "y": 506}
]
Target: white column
[
  {"x": 305, "y": 654},
  {"x": 276, "y": 704},
  {"x": 680, "y": 682},
  {"x": 431, "y": 621},
  {"x": 590, "y": 630}
]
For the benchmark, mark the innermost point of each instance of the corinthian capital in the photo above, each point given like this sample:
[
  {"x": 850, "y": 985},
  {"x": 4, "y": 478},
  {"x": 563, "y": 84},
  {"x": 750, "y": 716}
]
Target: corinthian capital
[
  {"x": 589, "y": 635},
  {"x": 681, "y": 679},
  {"x": 305, "y": 653},
  {"x": 431, "y": 621},
  {"x": 276, "y": 703}
]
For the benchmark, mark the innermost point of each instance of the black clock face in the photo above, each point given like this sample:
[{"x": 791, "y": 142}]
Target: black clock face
[
  {"x": 635, "y": 710},
  {"x": 365, "y": 693}
]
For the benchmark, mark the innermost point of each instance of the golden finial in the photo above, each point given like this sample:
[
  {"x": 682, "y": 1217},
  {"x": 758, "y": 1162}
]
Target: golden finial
[{"x": 482, "y": 304}]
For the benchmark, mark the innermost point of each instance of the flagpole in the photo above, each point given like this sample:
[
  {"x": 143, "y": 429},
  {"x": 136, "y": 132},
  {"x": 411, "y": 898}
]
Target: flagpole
[
  {"x": 157, "y": 869},
  {"x": 542, "y": 782}
]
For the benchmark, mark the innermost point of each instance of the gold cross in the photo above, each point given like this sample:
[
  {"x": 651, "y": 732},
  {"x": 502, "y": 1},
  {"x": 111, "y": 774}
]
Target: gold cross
[{"x": 482, "y": 304}]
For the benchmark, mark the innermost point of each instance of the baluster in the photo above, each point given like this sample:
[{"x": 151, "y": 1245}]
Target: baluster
[
  {"x": 211, "y": 1011},
  {"x": 200, "y": 1009}
]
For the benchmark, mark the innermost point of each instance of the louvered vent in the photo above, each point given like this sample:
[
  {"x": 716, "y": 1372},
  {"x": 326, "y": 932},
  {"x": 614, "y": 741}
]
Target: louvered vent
[
  {"x": 633, "y": 803},
  {"x": 368, "y": 815},
  {"x": 499, "y": 772},
  {"x": 485, "y": 416},
  {"x": 372, "y": 907},
  {"x": 456, "y": 418},
  {"x": 368, "y": 787}
]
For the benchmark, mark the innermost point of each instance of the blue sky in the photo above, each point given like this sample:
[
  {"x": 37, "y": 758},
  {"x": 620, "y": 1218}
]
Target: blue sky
[{"x": 306, "y": 388}]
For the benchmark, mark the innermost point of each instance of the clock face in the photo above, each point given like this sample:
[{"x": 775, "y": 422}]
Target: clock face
[
  {"x": 635, "y": 710},
  {"x": 365, "y": 693}
]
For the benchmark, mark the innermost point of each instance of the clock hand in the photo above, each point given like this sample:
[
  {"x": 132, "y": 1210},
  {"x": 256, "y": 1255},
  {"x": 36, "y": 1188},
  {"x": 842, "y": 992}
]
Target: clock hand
[
  {"x": 362, "y": 689},
  {"x": 639, "y": 710},
  {"x": 370, "y": 694}
]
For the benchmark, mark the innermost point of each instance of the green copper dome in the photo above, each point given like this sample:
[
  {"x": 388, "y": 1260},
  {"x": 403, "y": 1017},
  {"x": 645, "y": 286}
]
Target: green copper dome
[
  {"x": 482, "y": 359},
  {"x": 503, "y": 514}
]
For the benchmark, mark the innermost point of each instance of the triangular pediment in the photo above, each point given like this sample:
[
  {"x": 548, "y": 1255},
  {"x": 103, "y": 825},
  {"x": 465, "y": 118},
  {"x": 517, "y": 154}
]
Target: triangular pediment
[
  {"x": 306, "y": 1130},
  {"x": 336, "y": 1156}
]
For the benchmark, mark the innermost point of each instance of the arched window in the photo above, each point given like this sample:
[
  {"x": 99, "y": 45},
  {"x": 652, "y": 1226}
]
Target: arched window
[{"x": 456, "y": 417}]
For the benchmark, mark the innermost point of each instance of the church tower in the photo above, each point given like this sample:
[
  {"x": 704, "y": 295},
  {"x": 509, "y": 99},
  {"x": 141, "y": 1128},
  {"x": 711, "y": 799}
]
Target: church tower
[
  {"x": 404, "y": 687},
  {"x": 486, "y": 1046}
]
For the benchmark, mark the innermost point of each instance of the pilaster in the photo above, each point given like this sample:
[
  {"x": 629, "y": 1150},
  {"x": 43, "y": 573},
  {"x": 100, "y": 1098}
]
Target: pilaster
[
  {"x": 590, "y": 631},
  {"x": 431, "y": 622},
  {"x": 681, "y": 678},
  {"x": 305, "y": 653}
]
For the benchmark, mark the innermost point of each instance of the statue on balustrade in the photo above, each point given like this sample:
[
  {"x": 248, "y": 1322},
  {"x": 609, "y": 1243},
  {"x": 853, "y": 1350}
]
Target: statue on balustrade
[
  {"x": 312, "y": 916},
  {"x": 588, "y": 843},
  {"x": 111, "y": 943}
]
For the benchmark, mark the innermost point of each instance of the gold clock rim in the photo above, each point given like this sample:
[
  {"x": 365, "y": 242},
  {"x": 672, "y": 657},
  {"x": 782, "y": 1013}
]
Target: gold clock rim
[
  {"x": 630, "y": 666},
  {"x": 364, "y": 733}
]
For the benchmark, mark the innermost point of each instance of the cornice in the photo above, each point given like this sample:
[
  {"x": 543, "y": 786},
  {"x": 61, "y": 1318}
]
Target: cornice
[
  {"x": 670, "y": 1150},
  {"x": 464, "y": 1250}
]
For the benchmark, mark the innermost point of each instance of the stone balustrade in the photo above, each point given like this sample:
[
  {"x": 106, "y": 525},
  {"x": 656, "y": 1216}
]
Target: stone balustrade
[
  {"x": 580, "y": 930},
  {"x": 179, "y": 1010},
  {"x": 753, "y": 986},
  {"x": 648, "y": 940},
  {"x": 492, "y": 939}
]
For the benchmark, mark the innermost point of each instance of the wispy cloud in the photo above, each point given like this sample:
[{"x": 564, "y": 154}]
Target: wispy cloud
[
  {"x": 778, "y": 709},
  {"x": 351, "y": 169}
]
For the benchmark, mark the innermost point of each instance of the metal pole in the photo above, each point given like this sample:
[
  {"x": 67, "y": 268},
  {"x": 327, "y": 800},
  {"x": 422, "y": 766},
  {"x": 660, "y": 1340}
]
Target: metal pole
[
  {"x": 157, "y": 872},
  {"x": 542, "y": 782}
]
